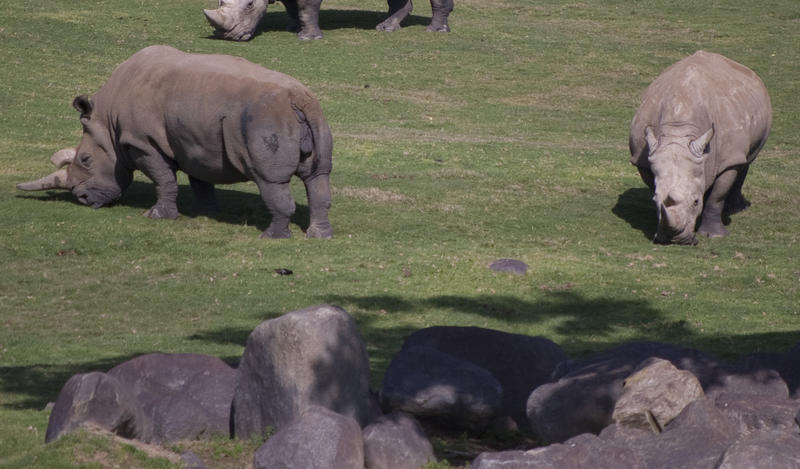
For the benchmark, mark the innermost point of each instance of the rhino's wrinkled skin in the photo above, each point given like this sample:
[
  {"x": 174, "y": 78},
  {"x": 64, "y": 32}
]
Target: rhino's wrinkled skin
[
  {"x": 238, "y": 19},
  {"x": 219, "y": 119},
  {"x": 699, "y": 126}
]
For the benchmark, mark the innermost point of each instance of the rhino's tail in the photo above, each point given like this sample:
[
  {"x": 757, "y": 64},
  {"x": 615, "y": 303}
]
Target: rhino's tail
[{"x": 322, "y": 150}]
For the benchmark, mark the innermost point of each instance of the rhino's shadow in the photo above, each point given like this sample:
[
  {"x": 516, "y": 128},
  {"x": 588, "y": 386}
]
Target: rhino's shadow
[
  {"x": 635, "y": 206},
  {"x": 235, "y": 207},
  {"x": 276, "y": 19}
]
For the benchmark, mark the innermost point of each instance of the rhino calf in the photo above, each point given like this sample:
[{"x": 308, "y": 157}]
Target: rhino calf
[
  {"x": 219, "y": 119},
  {"x": 699, "y": 126}
]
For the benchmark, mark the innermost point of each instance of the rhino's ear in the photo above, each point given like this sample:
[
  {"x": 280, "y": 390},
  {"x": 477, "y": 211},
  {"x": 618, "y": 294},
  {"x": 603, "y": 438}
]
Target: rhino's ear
[
  {"x": 652, "y": 141},
  {"x": 83, "y": 104},
  {"x": 699, "y": 146}
]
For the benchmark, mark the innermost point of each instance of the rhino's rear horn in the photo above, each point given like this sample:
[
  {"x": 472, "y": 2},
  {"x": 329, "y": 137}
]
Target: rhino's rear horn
[
  {"x": 55, "y": 180},
  {"x": 63, "y": 157}
]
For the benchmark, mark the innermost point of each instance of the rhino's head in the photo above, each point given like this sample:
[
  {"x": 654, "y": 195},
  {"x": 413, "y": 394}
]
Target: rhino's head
[
  {"x": 90, "y": 171},
  {"x": 236, "y": 19},
  {"x": 678, "y": 165}
]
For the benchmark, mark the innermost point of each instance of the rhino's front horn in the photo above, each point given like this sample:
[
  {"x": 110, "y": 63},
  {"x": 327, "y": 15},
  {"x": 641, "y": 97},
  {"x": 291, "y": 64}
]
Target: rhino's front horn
[
  {"x": 56, "y": 180},
  {"x": 63, "y": 157}
]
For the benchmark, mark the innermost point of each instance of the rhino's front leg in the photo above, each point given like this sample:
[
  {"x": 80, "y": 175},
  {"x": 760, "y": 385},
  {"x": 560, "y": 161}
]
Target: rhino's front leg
[
  {"x": 398, "y": 11},
  {"x": 279, "y": 202},
  {"x": 711, "y": 221},
  {"x": 162, "y": 172},
  {"x": 304, "y": 18},
  {"x": 318, "y": 191}
]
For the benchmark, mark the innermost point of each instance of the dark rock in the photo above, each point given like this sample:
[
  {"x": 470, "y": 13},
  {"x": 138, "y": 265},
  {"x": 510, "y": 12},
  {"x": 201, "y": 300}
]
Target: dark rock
[
  {"x": 98, "y": 400},
  {"x": 186, "y": 396},
  {"x": 317, "y": 439},
  {"x": 427, "y": 383},
  {"x": 757, "y": 372},
  {"x": 511, "y": 266},
  {"x": 314, "y": 356},
  {"x": 759, "y": 412},
  {"x": 583, "y": 399},
  {"x": 768, "y": 449},
  {"x": 654, "y": 395},
  {"x": 396, "y": 441},
  {"x": 518, "y": 362},
  {"x": 192, "y": 461}
]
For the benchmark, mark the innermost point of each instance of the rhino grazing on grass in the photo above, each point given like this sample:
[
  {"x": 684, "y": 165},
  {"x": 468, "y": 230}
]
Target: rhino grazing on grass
[
  {"x": 238, "y": 19},
  {"x": 220, "y": 119},
  {"x": 699, "y": 126}
]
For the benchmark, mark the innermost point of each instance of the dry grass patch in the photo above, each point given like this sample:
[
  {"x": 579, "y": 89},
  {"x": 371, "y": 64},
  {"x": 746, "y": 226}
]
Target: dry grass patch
[{"x": 370, "y": 194}]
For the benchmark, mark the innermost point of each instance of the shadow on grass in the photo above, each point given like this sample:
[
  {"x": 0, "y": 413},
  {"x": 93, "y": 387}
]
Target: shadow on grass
[
  {"x": 235, "y": 207},
  {"x": 635, "y": 206},
  {"x": 331, "y": 19}
]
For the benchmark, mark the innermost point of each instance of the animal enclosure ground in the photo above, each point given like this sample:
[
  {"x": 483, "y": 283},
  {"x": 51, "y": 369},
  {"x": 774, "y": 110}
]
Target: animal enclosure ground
[{"x": 506, "y": 138}]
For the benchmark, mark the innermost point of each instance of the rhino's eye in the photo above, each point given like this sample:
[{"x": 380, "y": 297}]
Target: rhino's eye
[
  {"x": 696, "y": 202},
  {"x": 85, "y": 159}
]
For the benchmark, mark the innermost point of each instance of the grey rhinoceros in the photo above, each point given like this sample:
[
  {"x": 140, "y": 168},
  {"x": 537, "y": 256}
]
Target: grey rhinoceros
[
  {"x": 238, "y": 19},
  {"x": 699, "y": 126},
  {"x": 220, "y": 119}
]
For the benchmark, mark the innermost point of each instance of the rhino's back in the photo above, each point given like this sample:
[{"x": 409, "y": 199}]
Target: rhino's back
[{"x": 704, "y": 89}]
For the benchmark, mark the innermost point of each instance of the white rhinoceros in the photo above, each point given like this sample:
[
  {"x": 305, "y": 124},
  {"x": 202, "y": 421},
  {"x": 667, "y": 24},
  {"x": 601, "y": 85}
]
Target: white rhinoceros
[
  {"x": 220, "y": 119},
  {"x": 699, "y": 126}
]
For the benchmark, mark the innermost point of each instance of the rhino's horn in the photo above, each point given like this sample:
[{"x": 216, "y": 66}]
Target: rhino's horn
[
  {"x": 56, "y": 180},
  {"x": 63, "y": 157}
]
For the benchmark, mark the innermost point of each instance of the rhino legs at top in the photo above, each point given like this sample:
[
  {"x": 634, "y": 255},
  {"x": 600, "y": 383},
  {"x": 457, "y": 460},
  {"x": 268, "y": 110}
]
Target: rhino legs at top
[
  {"x": 735, "y": 201},
  {"x": 441, "y": 11},
  {"x": 279, "y": 202},
  {"x": 711, "y": 221},
  {"x": 398, "y": 10},
  {"x": 205, "y": 200},
  {"x": 303, "y": 18},
  {"x": 318, "y": 191}
]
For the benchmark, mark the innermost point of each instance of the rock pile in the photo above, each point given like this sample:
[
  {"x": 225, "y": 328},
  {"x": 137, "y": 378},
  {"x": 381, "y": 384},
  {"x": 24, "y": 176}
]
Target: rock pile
[{"x": 305, "y": 375}]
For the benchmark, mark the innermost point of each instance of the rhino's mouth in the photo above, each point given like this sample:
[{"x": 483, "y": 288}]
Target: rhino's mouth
[
  {"x": 667, "y": 236},
  {"x": 97, "y": 197}
]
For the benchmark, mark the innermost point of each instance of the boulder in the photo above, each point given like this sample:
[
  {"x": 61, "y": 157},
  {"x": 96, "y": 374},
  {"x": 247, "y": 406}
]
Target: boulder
[
  {"x": 396, "y": 441},
  {"x": 504, "y": 460},
  {"x": 314, "y": 356},
  {"x": 186, "y": 396},
  {"x": 317, "y": 439},
  {"x": 518, "y": 362},
  {"x": 654, "y": 395},
  {"x": 787, "y": 365},
  {"x": 759, "y": 412},
  {"x": 775, "y": 450},
  {"x": 98, "y": 400},
  {"x": 510, "y": 266},
  {"x": 582, "y": 398},
  {"x": 427, "y": 383}
]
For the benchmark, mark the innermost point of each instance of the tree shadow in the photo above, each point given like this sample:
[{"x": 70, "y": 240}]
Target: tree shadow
[
  {"x": 235, "y": 207},
  {"x": 635, "y": 206}
]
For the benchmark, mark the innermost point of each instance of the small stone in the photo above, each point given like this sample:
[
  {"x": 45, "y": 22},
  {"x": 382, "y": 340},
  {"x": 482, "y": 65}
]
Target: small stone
[{"x": 511, "y": 266}]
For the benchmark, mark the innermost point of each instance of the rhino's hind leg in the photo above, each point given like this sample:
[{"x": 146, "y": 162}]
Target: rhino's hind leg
[
  {"x": 711, "y": 223},
  {"x": 279, "y": 202},
  {"x": 318, "y": 191},
  {"x": 398, "y": 10},
  {"x": 441, "y": 11},
  {"x": 735, "y": 202},
  {"x": 205, "y": 200}
]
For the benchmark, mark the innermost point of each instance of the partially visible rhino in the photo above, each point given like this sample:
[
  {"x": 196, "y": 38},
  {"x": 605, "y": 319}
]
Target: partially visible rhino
[
  {"x": 699, "y": 126},
  {"x": 219, "y": 119},
  {"x": 238, "y": 19}
]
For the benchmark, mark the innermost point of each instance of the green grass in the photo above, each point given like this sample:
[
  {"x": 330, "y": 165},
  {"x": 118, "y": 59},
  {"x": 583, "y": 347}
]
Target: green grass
[{"x": 504, "y": 138}]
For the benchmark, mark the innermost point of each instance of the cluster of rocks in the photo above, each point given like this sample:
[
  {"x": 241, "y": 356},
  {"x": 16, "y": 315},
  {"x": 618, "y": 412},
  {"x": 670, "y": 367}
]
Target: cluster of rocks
[{"x": 304, "y": 379}]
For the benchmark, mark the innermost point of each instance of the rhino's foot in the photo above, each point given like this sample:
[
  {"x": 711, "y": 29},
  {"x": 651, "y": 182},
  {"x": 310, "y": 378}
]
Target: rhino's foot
[
  {"x": 712, "y": 230},
  {"x": 432, "y": 28},
  {"x": 162, "y": 211},
  {"x": 389, "y": 25},
  {"x": 276, "y": 233},
  {"x": 308, "y": 35},
  {"x": 320, "y": 231}
]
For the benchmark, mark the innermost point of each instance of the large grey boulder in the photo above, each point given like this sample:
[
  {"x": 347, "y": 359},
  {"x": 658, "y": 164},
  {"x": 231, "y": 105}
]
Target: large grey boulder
[
  {"x": 654, "y": 395},
  {"x": 430, "y": 384},
  {"x": 396, "y": 441},
  {"x": 317, "y": 439},
  {"x": 186, "y": 396},
  {"x": 768, "y": 449},
  {"x": 98, "y": 400},
  {"x": 518, "y": 362},
  {"x": 314, "y": 356},
  {"x": 582, "y": 397}
]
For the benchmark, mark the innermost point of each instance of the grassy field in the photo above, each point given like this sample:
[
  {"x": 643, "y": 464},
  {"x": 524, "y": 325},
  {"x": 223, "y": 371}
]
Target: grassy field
[{"x": 505, "y": 138}]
